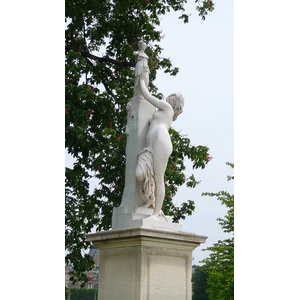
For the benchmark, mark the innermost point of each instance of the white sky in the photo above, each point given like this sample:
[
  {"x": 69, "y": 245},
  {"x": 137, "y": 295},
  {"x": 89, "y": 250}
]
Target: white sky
[{"x": 266, "y": 140}]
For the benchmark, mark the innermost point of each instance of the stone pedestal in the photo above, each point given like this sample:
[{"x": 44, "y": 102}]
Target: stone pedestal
[{"x": 145, "y": 263}]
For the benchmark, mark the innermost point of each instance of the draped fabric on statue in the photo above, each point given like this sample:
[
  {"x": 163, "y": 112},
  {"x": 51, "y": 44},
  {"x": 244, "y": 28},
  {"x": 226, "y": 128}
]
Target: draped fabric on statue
[{"x": 145, "y": 161}]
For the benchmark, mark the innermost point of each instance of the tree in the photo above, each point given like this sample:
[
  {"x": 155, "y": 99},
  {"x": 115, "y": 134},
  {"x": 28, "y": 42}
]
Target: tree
[
  {"x": 220, "y": 263},
  {"x": 100, "y": 38},
  {"x": 199, "y": 280}
]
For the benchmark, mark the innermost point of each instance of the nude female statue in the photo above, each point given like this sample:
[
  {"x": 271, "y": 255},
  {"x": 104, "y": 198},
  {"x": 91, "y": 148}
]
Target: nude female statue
[{"x": 153, "y": 159}]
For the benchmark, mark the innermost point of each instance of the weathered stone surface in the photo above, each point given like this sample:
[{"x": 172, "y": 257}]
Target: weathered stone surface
[{"x": 145, "y": 264}]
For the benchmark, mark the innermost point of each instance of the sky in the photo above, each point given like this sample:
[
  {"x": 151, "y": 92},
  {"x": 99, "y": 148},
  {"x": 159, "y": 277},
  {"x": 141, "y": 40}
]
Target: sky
[{"x": 266, "y": 140}]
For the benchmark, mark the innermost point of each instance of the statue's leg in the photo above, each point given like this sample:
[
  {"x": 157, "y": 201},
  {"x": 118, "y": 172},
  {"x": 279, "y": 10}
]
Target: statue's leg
[
  {"x": 161, "y": 153},
  {"x": 159, "y": 194}
]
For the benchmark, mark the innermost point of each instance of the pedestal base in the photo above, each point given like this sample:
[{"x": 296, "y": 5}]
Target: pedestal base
[{"x": 145, "y": 264}]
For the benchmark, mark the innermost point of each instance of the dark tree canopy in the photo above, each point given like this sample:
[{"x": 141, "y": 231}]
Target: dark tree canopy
[
  {"x": 199, "y": 283},
  {"x": 100, "y": 38}
]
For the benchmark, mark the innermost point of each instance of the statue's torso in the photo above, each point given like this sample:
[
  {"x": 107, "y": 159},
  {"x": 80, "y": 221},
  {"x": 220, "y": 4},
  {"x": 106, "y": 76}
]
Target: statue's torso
[{"x": 158, "y": 132}]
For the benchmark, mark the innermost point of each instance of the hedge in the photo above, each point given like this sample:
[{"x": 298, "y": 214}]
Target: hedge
[{"x": 83, "y": 294}]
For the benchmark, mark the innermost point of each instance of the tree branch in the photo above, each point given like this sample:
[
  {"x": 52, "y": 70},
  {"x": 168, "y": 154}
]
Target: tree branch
[
  {"x": 106, "y": 87},
  {"x": 102, "y": 80},
  {"x": 102, "y": 59}
]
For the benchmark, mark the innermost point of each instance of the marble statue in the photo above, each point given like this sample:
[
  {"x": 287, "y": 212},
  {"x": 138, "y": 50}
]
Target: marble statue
[
  {"x": 153, "y": 159},
  {"x": 147, "y": 152}
]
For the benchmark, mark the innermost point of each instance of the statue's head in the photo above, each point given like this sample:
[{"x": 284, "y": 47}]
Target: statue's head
[
  {"x": 176, "y": 100},
  {"x": 142, "y": 45}
]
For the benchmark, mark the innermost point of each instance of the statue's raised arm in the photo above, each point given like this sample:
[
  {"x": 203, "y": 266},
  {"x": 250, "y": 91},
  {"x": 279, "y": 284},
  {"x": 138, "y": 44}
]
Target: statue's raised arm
[{"x": 160, "y": 104}]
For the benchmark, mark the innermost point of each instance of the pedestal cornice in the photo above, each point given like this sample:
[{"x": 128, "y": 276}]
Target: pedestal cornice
[{"x": 144, "y": 236}]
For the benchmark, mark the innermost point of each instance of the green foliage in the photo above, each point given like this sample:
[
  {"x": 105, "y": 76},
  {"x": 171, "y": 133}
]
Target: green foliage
[
  {"x": 220, "y": 263},
  {"x": 204, "y": 7},
  {"x": 83, "y": 294},
  {"x": 199, "y": 283},
  {"x": 100, "y": 38}
]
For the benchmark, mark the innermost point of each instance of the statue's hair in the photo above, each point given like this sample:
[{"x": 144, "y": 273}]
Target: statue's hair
[{"x": 178, "y": 105}]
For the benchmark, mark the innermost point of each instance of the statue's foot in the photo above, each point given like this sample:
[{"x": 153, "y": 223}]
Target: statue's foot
[{"x": 163, "y": 215}]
